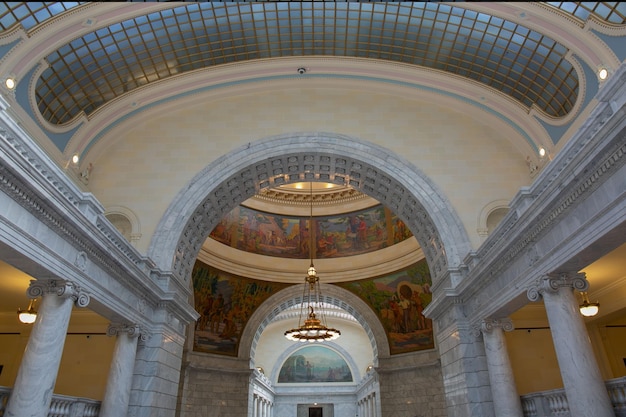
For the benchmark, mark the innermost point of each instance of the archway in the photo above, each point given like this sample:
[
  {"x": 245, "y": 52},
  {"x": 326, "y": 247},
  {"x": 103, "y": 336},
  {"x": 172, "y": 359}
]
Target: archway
[
  {"x": 319, "y": 156},
  {"x": 307, "y": 157}
]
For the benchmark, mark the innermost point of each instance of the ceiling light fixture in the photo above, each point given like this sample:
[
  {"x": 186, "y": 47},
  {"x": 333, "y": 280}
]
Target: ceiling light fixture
[
  {"x": 542, "y": 152},
  {"x": 29, "y": 316},
  {"x": 10, "y": 83},
  {"x": 313, "y": 328},
  {"x": 587, "y": 308},
  {"x": 603, "y": 73}
]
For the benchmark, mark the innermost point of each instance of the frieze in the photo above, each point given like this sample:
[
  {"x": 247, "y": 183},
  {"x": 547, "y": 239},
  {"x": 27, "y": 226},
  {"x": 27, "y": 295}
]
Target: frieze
[
  {"x": 64, "y": 221},
  {"x": 611, "y": 160}
]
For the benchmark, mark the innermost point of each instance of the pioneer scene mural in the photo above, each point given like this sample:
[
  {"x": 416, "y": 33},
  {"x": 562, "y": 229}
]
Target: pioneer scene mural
[
  {"x": 225, "y": 303},
  {"x": 334, "y": 236},
  {"x": 399, "y": 300}
]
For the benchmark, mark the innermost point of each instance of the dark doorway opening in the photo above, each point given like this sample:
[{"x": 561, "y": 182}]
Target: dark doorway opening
[{"x": 315, "y": 412}]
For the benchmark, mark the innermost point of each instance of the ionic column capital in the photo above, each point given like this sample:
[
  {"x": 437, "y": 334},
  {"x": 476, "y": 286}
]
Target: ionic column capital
[
  {"x": 488, "y": 325},
  {"x": 132, "y": 330},
  {"x": 554, "y": 282},
  {"x": 62, "y": 288}
]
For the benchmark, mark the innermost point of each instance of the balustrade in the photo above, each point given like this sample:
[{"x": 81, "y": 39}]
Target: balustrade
[
  {"x": 551, "y": 403},
  {"x": 554, "y": 403},
  {"x": 61, "y": 405}
]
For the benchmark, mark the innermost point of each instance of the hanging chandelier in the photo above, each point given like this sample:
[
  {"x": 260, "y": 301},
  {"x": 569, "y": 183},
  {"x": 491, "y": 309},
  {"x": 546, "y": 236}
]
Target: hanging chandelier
[{"x": 311, "y": 326}]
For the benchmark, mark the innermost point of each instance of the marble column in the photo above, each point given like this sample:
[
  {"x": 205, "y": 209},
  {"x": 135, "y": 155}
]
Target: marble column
[
  {"x": 584, "y": 387},
  {"x": 506, "y": 400},
  {"x": 34, "y": 385},
  {"x": 119, "y": 382}
]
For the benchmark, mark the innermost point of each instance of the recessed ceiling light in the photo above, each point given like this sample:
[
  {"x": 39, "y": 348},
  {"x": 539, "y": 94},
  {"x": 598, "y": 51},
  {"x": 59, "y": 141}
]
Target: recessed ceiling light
[
  {"x": 75, "y": 158},
  {"x": 542, "y": 152},
  {"x": 603, "y": 73},
  {"x": 10, "y": 83}
]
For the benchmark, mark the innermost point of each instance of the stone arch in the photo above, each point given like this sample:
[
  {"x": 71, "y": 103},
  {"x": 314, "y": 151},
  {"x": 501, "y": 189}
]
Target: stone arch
[
  {"x": 331, "y": 294},
  {"x": 318, "y": 156}
]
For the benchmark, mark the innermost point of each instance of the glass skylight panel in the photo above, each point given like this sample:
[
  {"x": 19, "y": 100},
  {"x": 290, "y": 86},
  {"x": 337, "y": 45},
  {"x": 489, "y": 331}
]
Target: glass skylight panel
[
  {"x": 609, "y": 11},
  {"x": 30, "y": 14},
  {"x": 201, "y": 35}
]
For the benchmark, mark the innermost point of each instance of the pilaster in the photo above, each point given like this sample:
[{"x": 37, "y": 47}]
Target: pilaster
[{"x": 464, "y": 366}]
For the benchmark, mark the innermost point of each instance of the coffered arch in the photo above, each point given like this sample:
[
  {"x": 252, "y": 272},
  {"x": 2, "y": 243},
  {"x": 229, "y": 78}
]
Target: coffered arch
[{"x": 316, "y": 157}]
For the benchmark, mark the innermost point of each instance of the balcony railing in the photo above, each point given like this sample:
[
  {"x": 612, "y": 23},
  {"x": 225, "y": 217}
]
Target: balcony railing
[
  {"x": 61, "y": 405},
  {"x": 553, "y": 403}
]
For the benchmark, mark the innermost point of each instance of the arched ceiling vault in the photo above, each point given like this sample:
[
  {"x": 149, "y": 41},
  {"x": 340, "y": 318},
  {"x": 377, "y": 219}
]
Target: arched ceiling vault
[
  {"x": 313, "y": 157},
  {"x": 94, "y": 54}
]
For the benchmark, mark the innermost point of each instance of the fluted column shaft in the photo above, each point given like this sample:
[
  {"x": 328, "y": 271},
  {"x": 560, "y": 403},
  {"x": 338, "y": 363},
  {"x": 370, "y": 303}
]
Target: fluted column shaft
[
  {"x": 506, "y": 400},
  {"x": 585, "y": 390},
  {"x": 119, "y": 382},
  {"x": 34, "y": 385}
]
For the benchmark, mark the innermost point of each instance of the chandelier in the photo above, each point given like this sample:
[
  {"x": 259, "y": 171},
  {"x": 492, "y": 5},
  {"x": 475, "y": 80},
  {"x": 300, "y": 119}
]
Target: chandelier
[{"x": 311, "y": 326}]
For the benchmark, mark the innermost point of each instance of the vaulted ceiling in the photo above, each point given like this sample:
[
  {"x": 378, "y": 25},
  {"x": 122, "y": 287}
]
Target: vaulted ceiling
[{"x": 529, "y": 52}]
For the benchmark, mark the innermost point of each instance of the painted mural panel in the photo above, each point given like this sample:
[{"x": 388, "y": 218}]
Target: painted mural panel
[
  {"x": 399, "y": 300},
  {"x": 225, "y": 303},
  {"x": 315, "y": 364},
  {"x": 288, "y": 237}
]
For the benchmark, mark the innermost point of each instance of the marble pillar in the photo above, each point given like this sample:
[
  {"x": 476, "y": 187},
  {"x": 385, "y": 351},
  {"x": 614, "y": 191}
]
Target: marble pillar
[
  {"x": 584, "y": 387},
  {"x": 34, "y": 385},
  {"x": 506, "y": 400},
  {"x": 119, "y": 382}
]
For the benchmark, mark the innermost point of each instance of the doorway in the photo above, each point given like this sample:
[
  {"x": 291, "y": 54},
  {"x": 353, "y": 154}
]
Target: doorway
[{"x": 315, "y": 412}]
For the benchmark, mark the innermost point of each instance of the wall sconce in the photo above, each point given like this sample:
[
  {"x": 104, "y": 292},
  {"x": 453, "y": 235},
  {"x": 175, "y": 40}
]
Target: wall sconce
[
  {"x": 29, "y": 316},
  {"x": 587, "y": 308}
]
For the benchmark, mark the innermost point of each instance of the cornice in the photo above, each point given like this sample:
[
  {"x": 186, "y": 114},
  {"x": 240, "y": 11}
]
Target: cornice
[
  {"x": 598, "y": 151},
  {"x": 251, "y": 265},
  {"x": 34, "y": 182}
]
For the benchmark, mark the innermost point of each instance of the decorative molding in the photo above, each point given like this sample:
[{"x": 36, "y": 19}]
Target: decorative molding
[
  {"x": 339, "y": 196},
  {"x": 316, "y": 157},
  {"x": 489, "y": 325},
  {"x": 132, "y": 330},
  {"x": 61, "y": 288},
  {"x": 39, "y": 186},
  {"x": 565, "y": 196},
  {"x": 556, "y": 281},
  {"x": 81, "y": 261}
]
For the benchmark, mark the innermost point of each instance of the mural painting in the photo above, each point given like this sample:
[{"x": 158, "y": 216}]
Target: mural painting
[
  {"x": 288, "y": 237},
  {"x": 225, "y": 302},
  {"x": 315, "y": 364},
  {"x": 399, "y": 299}
]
